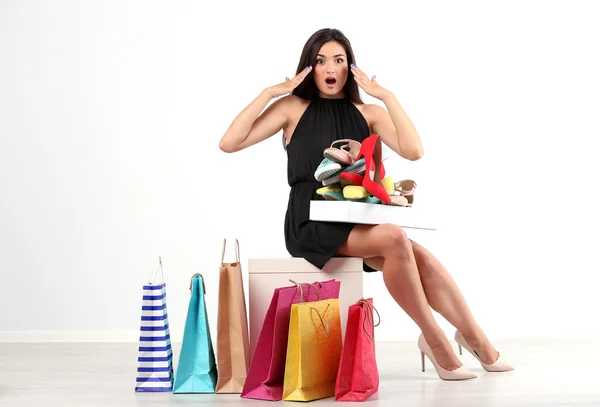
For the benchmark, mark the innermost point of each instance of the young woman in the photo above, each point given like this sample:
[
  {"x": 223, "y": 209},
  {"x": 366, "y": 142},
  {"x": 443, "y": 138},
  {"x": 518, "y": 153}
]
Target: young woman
[{"x": 324, "y": 106}]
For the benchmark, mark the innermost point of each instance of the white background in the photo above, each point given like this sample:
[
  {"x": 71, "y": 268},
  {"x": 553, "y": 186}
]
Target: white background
[{"x": 111, "y": 113}]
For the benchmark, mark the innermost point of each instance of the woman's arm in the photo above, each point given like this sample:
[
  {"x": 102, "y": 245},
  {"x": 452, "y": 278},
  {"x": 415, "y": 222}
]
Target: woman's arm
[
  {"x": 396, "y": 129},
  {"x": 248, "y": 128}
]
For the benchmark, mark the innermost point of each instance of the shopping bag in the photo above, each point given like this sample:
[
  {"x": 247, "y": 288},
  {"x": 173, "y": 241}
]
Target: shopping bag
[
  {"x": 233, "y": 346},
  {"x": 358, "y": 376},
  {"x": 196, "y": 369},
  {"x": 155, "y": 357},
  {"x": 267, "y": 367},
  {"x": 313, "y": 352}
]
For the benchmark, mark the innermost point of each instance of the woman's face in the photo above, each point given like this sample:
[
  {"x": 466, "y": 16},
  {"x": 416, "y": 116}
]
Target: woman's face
[{"x": 331, "y": 70}]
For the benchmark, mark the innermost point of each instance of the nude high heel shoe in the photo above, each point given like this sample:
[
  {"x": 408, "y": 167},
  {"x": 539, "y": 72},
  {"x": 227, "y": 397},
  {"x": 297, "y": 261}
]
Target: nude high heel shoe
[
  {"x": 462, "y": 373},
  {"x": 499, "y": 365}
]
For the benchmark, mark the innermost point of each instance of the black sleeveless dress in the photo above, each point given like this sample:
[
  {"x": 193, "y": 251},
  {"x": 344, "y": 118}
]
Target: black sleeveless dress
[{"x": 323, "y": 121}]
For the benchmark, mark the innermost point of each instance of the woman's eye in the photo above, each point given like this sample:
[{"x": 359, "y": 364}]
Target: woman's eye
[
  {"x": 340, "y": 60},
  {"x": 319, "y": 61}
]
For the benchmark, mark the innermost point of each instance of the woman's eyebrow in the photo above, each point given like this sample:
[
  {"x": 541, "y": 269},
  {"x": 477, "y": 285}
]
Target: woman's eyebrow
[{"x": 335, "y": 56}]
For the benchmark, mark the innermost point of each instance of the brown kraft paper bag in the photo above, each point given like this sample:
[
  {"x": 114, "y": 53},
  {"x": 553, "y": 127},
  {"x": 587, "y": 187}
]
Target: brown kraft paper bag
[{"x": 233, "y": 345}]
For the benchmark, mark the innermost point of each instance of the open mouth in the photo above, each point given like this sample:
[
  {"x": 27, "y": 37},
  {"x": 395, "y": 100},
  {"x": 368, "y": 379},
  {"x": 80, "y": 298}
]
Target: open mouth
[{"x": 330, "y": 81}]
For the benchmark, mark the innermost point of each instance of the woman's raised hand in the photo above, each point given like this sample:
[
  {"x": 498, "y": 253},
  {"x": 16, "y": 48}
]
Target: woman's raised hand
[{"x": 289, "y": 85}]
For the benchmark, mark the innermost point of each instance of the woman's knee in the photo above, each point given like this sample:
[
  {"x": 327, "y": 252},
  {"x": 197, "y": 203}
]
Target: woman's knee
[{"x": 395, "y": 241}]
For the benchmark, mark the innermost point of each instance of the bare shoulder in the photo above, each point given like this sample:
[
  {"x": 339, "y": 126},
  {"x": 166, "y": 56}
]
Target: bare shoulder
[
  {"x": 371, "y": 109},
  {"x": 289, "y": 106},
  {"x": 293, "y": 102},
  {"x": 371, "y": 113},
  {"x": 289, "y": 102}
]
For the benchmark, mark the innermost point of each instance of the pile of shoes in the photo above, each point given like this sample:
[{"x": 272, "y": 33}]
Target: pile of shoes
[{"x": 344, "y": 177}]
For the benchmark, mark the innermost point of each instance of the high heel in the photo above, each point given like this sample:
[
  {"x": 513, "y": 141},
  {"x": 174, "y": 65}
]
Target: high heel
[
  {"x": 462, "y": 373},
  {"x": 499, "y": 365},
  {"x": 348, "y": 178},
  {"x": 371, "y": 150},
  {"x": 406, "y": 188}
]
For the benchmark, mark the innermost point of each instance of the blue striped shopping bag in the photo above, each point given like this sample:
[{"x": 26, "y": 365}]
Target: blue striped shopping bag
[{"x": 155, "y": 357}]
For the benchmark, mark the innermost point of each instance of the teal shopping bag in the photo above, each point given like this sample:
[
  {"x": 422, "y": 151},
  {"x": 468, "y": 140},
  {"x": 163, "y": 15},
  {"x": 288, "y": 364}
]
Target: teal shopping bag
[{"x": 196, "y": 368}]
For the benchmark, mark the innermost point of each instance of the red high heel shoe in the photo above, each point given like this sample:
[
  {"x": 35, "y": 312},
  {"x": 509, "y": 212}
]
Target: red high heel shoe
[
  {"x": 352, "y": 178},
  {"x": 349, "y": 178},
  {"x": 371, "y": 150}
]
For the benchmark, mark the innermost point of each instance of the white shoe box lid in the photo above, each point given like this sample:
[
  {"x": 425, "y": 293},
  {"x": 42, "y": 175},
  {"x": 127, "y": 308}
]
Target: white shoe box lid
[{"x": 372, "y": 214}]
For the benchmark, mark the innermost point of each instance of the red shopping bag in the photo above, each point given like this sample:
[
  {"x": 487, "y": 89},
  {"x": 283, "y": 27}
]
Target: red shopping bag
[
  {"x": 267, "y": 368},
  {"x": 358, "y": 376}
]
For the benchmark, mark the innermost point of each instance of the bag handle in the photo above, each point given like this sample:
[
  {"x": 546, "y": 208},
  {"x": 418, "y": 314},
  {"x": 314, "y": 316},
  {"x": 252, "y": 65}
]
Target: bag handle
[
  {"x": 313, "y": 285},
  {"x": 369, "y": 316},
  {"x": 299, "y": 286},
  {"x": 325, "y": 326},
  {"x": 203, "y": 282},
  {"x": 237, "y": 251},
  {"x": 155, "y": 272}
]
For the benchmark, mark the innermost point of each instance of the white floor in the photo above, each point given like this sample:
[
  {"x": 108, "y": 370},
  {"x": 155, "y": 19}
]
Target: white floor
[{"x": 548, "y": 373}]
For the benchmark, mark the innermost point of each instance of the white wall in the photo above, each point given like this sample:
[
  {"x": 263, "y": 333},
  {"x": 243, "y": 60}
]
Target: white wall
[{"x": 111, "y": 113}]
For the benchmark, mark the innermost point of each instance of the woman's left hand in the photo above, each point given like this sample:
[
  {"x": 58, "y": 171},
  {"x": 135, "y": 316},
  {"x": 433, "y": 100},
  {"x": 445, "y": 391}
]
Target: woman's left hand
[{"x": 370, "y": 86}]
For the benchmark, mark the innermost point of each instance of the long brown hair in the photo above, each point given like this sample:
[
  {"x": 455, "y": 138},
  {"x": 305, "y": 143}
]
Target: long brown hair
[{"x": 308, "y": 88}]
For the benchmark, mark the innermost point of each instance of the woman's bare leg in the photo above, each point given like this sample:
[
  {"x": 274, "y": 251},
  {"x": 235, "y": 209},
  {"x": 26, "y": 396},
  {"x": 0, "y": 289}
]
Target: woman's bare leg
[
  {"x": 401, "y": 277},
  {"x": 444, "y": 296}
]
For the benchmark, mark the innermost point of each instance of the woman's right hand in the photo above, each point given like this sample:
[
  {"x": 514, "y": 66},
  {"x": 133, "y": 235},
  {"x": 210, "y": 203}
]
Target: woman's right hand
[{"x": 289, "y": 85}]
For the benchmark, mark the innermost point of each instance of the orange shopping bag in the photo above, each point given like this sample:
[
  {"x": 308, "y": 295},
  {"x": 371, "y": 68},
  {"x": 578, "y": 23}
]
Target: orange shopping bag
[{"x": 313, "y": 351}]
